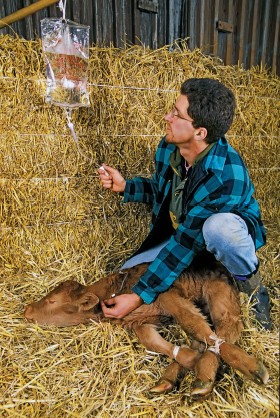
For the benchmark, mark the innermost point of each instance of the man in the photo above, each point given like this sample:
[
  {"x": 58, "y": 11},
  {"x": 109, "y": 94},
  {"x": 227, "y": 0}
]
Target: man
[{"x": 202, "y": 198}]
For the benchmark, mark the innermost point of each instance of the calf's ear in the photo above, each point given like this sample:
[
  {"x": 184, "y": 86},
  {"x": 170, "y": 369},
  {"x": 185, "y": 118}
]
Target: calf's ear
[{"x": 87, "y": 302}]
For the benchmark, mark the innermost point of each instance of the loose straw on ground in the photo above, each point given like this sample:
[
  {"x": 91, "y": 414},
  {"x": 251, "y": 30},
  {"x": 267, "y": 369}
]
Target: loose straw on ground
[{"x": 57, "y": 223}]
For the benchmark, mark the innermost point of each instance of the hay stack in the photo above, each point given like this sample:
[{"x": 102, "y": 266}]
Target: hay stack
[{"x": 57, "y": 223}]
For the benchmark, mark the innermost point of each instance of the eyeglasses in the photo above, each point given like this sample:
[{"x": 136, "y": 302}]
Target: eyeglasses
[{"x": 174, "y": 112}]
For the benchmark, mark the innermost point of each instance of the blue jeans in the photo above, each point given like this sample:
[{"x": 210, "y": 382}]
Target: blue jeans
[{"x": 226, "y": 236}]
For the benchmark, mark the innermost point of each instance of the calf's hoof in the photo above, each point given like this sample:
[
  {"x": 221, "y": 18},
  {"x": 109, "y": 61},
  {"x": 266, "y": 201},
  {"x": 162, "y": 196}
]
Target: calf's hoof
[
  {"x": 162, "y": 386},
  {"x": 260, "y": 375},
  {"x": 238, "y": 359},
  {"x": 201, "y": 389}
]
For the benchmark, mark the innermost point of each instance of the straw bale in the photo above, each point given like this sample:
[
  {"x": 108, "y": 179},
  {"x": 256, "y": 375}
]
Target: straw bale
[{"x": 56, "y": 223}]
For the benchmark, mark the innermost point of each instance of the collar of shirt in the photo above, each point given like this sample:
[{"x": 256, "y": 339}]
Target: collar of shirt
[{"x": 179, "y": 164}]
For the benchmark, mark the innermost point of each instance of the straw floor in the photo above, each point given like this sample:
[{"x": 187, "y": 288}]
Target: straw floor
[{"x": 57, "y": 223}]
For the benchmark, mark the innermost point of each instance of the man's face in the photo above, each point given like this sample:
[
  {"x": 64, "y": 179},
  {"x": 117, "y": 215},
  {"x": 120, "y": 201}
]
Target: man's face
[{"x": 179, "y": 128}]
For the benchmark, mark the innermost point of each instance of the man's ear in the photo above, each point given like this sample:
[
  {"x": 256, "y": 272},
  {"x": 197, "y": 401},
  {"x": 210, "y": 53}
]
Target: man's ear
[
  {"x": 201, "y": 134},
  {"x": 87, "y": 302}
]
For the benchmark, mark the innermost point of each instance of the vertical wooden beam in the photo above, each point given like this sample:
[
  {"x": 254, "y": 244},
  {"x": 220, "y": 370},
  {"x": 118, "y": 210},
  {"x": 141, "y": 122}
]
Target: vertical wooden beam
[
  {"x": 229, "y": 39},
  {"x": 28, "y": 29},
  {"x": 76, "y": 10},
  {"x": 170, "y": 22},
  {"x": 241, "y": 31},
  {"x": 86, "y": 16},
  {"x": 202, "y": 25},
  {"x": 276, "y": 41},
  {"x": 254, "y": 32},
  {"x": 136, "y": 24},
  {"x": 215, "y": 30},
  {"x": 154, "y": 30},
  {"x": 174, "y": 19},
  {"x": 119, "y": 12},
  {"x": 265, "y": 31},
  {"x": 192, "y": 15},
  {"x": 127, "y": 13},
  {"x": 162, "y": 26}
]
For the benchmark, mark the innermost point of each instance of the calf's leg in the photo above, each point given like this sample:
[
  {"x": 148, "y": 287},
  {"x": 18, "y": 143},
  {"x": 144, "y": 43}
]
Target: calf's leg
[
  {"x": 192, "y": 321},
  {"x": 153, "y": 341},
  {"x": 228, "y": 326},
  {"x": 175, "y": 373},
  {"x": 224, "y": 308},
  {"x": 171, "y": 378},
  {"x": 187, "y": 315},
  {"x": 238, "y": 359},
  {"x": 225, "y": 312},
  {"x": 205, "y": 371}
]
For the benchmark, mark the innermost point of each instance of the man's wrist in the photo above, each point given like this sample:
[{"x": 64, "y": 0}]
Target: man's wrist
[{"x": 138, "y": 298}]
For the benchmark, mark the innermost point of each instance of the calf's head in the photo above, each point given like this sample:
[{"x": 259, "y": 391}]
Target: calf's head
[{"x": 70, "y": 303}]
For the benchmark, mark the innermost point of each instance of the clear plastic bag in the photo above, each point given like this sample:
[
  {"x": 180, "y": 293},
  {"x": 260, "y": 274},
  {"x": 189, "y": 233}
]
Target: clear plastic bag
[{"x": 66, "y": 52}]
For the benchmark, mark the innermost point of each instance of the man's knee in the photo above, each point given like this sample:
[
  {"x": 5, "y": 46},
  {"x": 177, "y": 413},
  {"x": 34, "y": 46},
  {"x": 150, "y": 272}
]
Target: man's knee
[{"x": 223, "y": 227}]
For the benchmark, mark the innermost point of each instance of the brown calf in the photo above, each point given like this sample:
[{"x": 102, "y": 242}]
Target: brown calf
[{"x": 72, "y": 303}]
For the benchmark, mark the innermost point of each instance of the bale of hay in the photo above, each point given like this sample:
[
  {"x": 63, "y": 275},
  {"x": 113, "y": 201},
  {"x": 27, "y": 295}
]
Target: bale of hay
[{"x": 58, "y": 223}]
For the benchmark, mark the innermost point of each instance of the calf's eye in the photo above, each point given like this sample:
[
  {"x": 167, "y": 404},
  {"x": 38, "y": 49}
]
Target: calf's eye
[{"x": 50, "y": 300}]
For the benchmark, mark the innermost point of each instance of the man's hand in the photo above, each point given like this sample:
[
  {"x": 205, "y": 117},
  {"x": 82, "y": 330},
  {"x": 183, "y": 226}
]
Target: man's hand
[
  {"x": 111, "y": 179},
  {"x": 121, "y": 305}
]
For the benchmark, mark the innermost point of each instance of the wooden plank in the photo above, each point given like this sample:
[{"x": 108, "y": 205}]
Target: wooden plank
[
  {"x": 192, "y": 24},
  {"x": 94, "y": 20},
  {"x": 87, "y": 17},
  {"x": 171, "y": 22},
  {"x": 177, "y": 19},
  {"x": 16, "y": 25},
  {"x": 100, "y": 23},
  {"x": 29, "y": 30},
  {"x": 224, "y": 26},
  {"x": 276, "y": 41},
  {"x": 222, "y": 36},
  {"x": 265, "y": 44},
  {"x": 107, "y": 22},
  {"x": 136, "y": 23},
  {"x": 8, "y": 8},
  {"x": 120, "y": 11},
  {"x": 76, "y": 11},
  {"x": 154, "y": 40},
  {"x": 215, "y": 32},
  {"x": 229, "y": 40},
  {"x": 148, "y": 5},
  {"x": 162, "y": 24},
  {"x": 3, "y": 13},
  {"x": 240, "y": 30},
  {"x": 255, "y": 25},
  {"x": 174, "y": 20},
  {"x": 127, "y": 12},
  {"x": 37, "y": 17},
  {"x": 146, "y": 28},
  {"x": 209, "y": 26},
  {"x": 201, "y": 23},
  {"x": 53, "y": 11}
]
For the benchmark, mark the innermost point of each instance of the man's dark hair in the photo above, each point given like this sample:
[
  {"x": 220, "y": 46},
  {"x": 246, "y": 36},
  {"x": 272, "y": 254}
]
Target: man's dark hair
[{"x": 211, "y": 106}]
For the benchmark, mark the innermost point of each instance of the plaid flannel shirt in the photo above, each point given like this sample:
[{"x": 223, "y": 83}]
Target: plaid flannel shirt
[{"x": 220, "y": 184}]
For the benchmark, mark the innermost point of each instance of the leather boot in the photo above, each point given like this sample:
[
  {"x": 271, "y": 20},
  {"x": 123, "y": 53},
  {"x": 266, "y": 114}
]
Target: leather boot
[{"x": 260, "y": 298}]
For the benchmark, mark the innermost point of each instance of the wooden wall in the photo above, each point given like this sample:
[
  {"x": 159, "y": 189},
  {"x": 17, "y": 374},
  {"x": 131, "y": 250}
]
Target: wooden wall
[{"x": 237, "y": 31}]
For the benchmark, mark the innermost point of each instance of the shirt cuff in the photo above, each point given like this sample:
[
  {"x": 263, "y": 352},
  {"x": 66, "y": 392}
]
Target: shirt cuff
[{"x": 147, "y": 296}]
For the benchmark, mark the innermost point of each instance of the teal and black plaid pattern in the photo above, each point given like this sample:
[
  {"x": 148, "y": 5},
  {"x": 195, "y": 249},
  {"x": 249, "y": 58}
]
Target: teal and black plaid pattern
[{"x": 219, "y": 183}]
